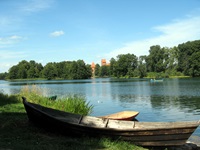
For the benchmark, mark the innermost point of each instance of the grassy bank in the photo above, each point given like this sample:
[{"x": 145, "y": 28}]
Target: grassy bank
[{"x": 18, "y": 133}]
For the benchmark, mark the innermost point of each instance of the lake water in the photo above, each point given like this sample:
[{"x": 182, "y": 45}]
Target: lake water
[{"x": 170, "y": 100}]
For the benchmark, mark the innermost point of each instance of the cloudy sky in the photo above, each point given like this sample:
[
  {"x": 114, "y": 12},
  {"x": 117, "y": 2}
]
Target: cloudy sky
[{"x": 59, "y": 30}]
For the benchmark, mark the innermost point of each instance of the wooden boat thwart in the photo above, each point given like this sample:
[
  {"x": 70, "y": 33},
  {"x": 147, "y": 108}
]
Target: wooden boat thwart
[
  {"x": 123, "y": 115},
  {"x": 140, "y": 133}
]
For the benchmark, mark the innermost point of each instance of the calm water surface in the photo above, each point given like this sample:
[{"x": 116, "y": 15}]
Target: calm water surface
[{"x": 171, "y": 100}]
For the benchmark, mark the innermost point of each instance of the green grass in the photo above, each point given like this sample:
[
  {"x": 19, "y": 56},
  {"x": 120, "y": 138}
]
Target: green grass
[
  {"x": 16, "y": 132},
  {"x": 71, "y": 103}
]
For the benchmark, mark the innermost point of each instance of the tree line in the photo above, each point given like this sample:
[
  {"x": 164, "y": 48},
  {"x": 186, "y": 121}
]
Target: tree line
[
  {"x": 181, "y": 60},
  {"x": 52, "y": 70}
]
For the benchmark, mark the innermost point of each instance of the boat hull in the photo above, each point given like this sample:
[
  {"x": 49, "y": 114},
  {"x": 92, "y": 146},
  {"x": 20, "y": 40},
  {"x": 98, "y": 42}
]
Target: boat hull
[{"x": 140, "y": 133}]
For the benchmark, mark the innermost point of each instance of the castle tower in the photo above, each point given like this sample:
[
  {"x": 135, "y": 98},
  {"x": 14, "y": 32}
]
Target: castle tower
[
  {"x": 103, "y": 62},
  {"x": 93, "y": 69}
]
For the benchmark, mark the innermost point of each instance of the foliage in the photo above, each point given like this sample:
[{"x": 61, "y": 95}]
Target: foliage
[
  {"x": 50, "y": 71},
  {"x": 189, "y": 58},
  {"x": 104, "y": 71},
  {"x": 71, "y": 103},
  {"x": 156, "y": 59},
  {"x": 66, "y": 70},
  {"x": 142, "y": 69},
  {"x": 124, "y": 65},
  {"x": 3, "y": 75},
  {"x": 7, "y": 99},
  {"x": 97, "y": 70},
  {"x": 156, "y": 75},
  {"x": 25, "y": 70}
]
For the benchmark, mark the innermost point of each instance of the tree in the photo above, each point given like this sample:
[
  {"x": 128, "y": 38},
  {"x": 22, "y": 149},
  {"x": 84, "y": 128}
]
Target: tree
[
  {"x": 113, "y": 65},
  {"x": 50, "y": 71},
  {"x": 31, "y": 72},
  {"x": 76, "y": 70},
  {"x": 3, "y": 76},
  {"x": 61, "y": 69},
  {"x": 34, "y": 69},
  {"x": 97, "y": 70},
  {"x": 194, "y": 60},
  {"x": 82, "y": 72},
  {"x": 125, "y": 64},
  {"x": 156, "y": 59},
  {"x": 142, "y": 70},
  {"x": 89, "y": 71},
  {"x": 188, "y": 52},
  {"x": 23, "y": 69},
  {"x": 13, "y": 72},
  {"x": 104, "y": 71}
]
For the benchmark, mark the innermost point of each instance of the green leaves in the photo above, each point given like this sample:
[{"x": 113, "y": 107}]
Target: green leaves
[{"x": 189, "y": 58}]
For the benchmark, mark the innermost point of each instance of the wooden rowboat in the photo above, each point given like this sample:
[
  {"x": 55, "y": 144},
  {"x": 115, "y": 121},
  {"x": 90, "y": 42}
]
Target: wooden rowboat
[
  {"x": 156, "y": 80},
  {"x": 140, "y": 133},
  {"x": 123, "y": 115}
]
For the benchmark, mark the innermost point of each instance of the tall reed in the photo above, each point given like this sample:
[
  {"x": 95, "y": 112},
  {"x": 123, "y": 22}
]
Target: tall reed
[{"x": 70, "y": 103}]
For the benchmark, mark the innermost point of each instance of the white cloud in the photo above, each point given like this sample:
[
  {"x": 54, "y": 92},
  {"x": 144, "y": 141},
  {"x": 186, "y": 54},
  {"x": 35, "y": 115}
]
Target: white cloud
[
  {"x": 171, "y": 35},
  {"x": 15, "y": 37},
  {"x": 5, "y": 41},
  {"x": 6, "y": 54},
  {"x": 37, "y": 5},
  {"x": 57, "y": 33}
]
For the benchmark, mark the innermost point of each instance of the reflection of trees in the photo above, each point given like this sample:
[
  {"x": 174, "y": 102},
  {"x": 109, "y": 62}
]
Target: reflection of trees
[
  {"x": 159, "y": 102},
  {"x": 183, "y": 103},
  {"x": 125, "y": 98},
  {"x": 130, "y": 93},
  {"x": 193, "y": 103}
]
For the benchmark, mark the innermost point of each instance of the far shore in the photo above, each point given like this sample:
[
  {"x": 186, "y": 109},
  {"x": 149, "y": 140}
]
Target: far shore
[{"x": 29, "y": 79}]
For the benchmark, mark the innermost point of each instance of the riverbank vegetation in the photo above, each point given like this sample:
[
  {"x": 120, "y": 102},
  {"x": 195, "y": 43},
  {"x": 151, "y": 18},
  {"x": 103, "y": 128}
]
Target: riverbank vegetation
[
  {"x": 70, "y": 103},
  {"x": 162, "y": 62},
  {"x": 18, "y": 133}
]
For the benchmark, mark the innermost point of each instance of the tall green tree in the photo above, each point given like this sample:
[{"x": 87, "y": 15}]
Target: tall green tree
[
  {"x": 82, "y": 72},
  {"x": 76, "y": 70},
  {"x": 113, "y": 66},
  {"x": 142, "y": 70},
  {"x": 188, "y": 58},
  {"x": 156, "y": 59},
  {"x": 3, "y": 76},
  {"x": 89, "y": 71},
  {"x": 97, "y": 70},
  {"x": 35, "y": 69},
  {"x": 13, "y": 72},
  {"x": 61, "y": 69},
  {"x": 23, "y": 66},
  {"x": 125, "y": 64},
  {"x": 194, "y": 62},
  {"x": 104, "y": 71},
  {"x": 50, "y": 71}
]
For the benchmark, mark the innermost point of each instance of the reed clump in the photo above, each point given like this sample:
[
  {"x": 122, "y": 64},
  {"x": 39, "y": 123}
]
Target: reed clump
[{"x": 70, "y": 103}]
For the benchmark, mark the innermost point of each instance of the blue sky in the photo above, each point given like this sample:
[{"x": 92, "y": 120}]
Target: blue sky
[{"x": 90, "y": 30}]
